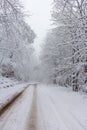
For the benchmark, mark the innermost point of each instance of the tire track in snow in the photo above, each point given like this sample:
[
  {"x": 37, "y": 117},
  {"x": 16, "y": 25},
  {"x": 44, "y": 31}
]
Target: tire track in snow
[
  {"x": 69, "y": 120},
  {"x": 60, "y": 115},
  {"x": 47, "y": 117},
  {"x": 12, "y": 101},
  {"x": 32, "y": 121},
  {"x": 9, "y": 113}
]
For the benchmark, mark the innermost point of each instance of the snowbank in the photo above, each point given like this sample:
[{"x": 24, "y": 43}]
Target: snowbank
[{"x": 9, "y": 90}]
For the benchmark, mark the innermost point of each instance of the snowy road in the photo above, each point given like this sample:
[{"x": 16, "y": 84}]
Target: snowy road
[
  {"x": 55, "y": 112},
  {"x": 16, "y": 116},
  {"x": 47, "y": 108}
]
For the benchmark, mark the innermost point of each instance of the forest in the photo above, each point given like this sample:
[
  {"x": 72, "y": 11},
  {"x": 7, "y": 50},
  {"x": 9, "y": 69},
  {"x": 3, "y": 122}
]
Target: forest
[
  {"x": 64, "y": 54},
  {"x": 63, "y": 57},
  {"x": 43, "y": 65}
]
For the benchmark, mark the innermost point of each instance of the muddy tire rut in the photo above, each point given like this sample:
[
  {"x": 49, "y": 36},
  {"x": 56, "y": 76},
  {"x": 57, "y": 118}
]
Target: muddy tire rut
[
  {"x": 9, "y": 104},
  {"x": 32, "y": 121}
]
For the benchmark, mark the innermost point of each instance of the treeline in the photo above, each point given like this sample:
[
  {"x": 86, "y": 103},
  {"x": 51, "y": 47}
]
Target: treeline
[
  {"x": 16, "y": 38},
  {"x": 64, "y": 54}
]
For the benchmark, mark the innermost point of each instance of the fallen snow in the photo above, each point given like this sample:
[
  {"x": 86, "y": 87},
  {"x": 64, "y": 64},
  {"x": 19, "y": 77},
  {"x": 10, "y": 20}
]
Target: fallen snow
[
  {"x": 7, "y": 82},
  {"x": 16, "y": 117},
  {"x": 58, "y": 108},
  {"x": 61, "y": 109},
  {"x": 8, "y": 89}
]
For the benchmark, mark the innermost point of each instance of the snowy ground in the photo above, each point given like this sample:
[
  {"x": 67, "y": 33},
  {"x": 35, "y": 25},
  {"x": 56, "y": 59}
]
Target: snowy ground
[
  {"x": 61, "y": 109},
  {"x": 7, "y": 82},
  {"x": 15, "y": 118},
  {"x": 47, "y": 108},
  {"x": 8, "y": 89}
]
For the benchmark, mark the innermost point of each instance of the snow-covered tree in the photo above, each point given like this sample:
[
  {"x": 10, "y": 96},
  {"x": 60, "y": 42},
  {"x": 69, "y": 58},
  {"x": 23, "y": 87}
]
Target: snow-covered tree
[
  {"x": 70, "y": 36},
  {"x": 16, "y": 38},
  {"x": 56, "y": 54}
]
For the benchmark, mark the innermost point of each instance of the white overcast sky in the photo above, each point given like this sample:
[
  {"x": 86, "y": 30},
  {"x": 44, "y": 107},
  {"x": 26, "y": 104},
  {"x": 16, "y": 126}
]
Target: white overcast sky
[{"x": 39, "y": 19}]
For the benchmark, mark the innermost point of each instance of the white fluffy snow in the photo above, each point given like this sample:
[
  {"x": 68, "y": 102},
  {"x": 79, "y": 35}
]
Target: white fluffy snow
[{"x": 7, "y": 82}]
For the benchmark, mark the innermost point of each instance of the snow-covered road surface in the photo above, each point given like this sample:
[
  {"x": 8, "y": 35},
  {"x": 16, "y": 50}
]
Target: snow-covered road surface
[
  {"x": 47, "y": 108},
  {"x": 16, "y": 116},
  {"x": 57, "y": 109}
]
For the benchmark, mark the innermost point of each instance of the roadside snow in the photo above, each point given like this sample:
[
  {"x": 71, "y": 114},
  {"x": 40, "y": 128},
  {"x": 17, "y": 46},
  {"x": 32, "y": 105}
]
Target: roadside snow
[
  {"x": 8, "y": 88},
  {"x": 7, "y": 82},
  {"x": 16, "y": 117},
  {"x": 55, "y": 108}
]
